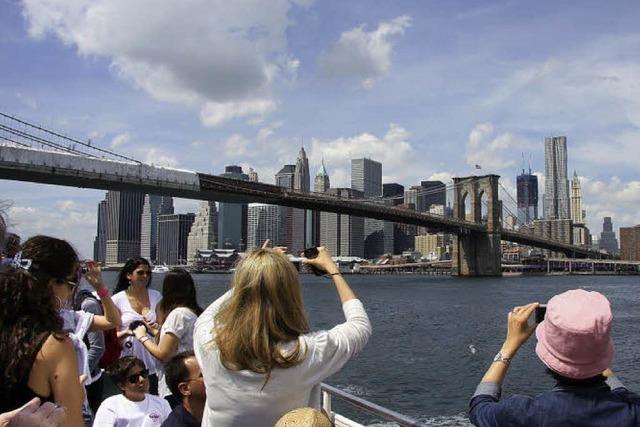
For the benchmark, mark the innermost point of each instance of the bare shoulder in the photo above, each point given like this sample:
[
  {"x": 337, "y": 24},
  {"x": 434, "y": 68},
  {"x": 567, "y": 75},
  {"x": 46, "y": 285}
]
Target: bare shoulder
[{"x": 56, "y": 346}]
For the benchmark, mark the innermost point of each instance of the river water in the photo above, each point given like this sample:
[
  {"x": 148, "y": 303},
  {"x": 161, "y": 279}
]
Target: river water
[{"x": 434, "y": 337}]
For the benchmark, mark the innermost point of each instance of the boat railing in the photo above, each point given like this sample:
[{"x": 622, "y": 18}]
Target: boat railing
[{"x": 340, "y": 421}]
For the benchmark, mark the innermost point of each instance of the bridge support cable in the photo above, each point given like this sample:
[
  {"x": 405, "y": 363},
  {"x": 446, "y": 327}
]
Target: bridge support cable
[
  {"x": 43, "y": 142},
  {"x": 59, "y": 145}
]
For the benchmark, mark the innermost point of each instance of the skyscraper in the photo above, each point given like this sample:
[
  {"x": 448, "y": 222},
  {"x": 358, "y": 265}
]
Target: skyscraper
[
  {"x": 100, "y": 243},
  {"x": 124, "y": 217},
  {"x": 154, "y": 205},
  {"x": 608, "y": 241},
  {"x": 321, "y": 183},
  {"x": 577, "y": 214},
  {"x": 301, "y": 219},
  {"x": 433, "y": 193},
  {"x": 203, "y": 234},
  {"x": 285, "y": 177},
  {"x": 527, "y": 197},
  {"x": 366, "y": 176},
  {"x": 630, "y": 243},
  {"x": 342, "y": 234},
  {"x": 232, "y": 217},
  {"x": 263, "y": 222},
  {"x": 394, "y": 192},
  {"x": 556, "y": 185},
  {"x": 580, "y": 231},
  {"x": 301, "y": 180},
  {"x": 173, "y": 232}
]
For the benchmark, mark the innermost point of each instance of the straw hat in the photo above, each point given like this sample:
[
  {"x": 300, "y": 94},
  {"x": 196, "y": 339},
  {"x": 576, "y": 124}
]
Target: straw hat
[{"x": 304, "y": 417}]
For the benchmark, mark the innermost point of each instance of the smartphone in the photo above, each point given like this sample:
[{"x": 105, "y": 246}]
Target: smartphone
[
  {"x": 541, "y": 310},
  {"x": 311, "y": 253}
]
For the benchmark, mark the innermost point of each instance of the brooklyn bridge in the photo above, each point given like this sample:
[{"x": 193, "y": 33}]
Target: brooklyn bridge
[{"x": 476, "y": 222}]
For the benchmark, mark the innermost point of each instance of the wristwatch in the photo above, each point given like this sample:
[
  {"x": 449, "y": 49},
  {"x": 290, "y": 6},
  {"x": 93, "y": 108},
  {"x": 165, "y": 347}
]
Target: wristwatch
[{"x": 500, "y": 358}]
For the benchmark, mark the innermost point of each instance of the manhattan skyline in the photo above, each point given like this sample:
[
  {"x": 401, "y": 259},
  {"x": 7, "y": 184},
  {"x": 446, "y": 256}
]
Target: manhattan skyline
[{"x": 433, "y": 90}]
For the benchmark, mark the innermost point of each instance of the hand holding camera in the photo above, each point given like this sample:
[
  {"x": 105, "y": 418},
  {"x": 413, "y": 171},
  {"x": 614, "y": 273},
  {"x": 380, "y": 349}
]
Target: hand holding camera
[
  {"x": 518, "y": 328},
  {"x": 319, "y": 261},
  {"x": 92, "y": 273}
]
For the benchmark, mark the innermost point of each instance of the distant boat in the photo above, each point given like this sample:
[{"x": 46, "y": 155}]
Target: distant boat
[{"x": 160, "y": 269}]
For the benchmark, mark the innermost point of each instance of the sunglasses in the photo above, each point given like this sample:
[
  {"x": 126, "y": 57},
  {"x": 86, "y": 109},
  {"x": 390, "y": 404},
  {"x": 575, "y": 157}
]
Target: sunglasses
[
  {"x": 72, "y": 285},
  {"x": 143, "y": 272},
  {"x": 134, "y": 378}
]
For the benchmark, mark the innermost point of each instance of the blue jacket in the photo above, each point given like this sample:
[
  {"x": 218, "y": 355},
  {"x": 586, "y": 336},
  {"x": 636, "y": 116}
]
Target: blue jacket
[{"x": 603, "y": 404}]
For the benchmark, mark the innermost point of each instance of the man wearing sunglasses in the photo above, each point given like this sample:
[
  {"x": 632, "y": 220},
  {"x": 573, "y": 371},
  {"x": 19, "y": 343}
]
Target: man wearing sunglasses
[
  {"x": 135, "y": 407},
  {"x": 184, "y": 379}
]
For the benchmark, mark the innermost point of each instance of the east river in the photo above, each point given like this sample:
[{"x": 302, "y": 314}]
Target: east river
[{"x": 434, "y": 337}]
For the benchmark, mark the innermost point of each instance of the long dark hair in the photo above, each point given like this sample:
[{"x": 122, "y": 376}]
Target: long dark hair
[
  {"x": 129, "y": 267},
  {"x": 178, "y": 290},
  {"x": 28, "y": 315}
]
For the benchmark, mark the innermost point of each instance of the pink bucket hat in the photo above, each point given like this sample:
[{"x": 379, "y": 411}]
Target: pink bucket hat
[{"x": 574, "y": 339}]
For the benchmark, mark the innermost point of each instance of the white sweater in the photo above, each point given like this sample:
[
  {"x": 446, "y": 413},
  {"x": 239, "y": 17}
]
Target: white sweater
[{"x": 236, "y": 398}]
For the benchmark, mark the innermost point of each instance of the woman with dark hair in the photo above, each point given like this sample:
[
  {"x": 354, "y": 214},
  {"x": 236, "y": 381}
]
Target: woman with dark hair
[
  {"x": 41, "y": 352},
  {"x": 137, "y": 303},
  {"x": 258, "y": 356},
  {"x": 135, "y": 407},
  {"x": 177, "y": 313}
]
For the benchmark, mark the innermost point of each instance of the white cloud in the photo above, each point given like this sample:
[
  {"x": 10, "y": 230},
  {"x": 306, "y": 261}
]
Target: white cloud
[
  {"x": 66, "y": 205},
  {"x": 219, "y": 57},
  {"x": 612, "y": 197},
  {"x": 364, "y": 55},
  {"x": 120, "y": 140},
  {"x": 27, "y": 100},
  {"x": 592, "y": 88},
  {"x": 75, "y": 224},
  {"x": 236, "y": 146},
  {"x": 267, "y": 131},
  {"x": 493, "y": 152},
  {"x": 157, "y": 157},
  {"x": 216, "y": 113},
  {"x": 393, "y": 149}
]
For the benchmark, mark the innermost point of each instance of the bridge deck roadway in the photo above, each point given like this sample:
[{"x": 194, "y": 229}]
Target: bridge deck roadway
[{"x": 31, "y": 165}]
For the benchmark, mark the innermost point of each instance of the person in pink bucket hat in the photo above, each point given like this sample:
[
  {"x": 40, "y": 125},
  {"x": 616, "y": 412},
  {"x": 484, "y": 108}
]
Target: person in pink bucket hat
[{"x": 574, "y": 342}]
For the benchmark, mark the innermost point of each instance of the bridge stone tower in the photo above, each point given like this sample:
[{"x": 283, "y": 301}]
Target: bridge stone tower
[{"x": 477, "y": 253}]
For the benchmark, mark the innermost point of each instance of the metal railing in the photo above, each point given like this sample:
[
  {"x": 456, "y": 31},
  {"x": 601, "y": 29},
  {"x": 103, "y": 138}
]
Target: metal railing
[{"x": 380, "y": 411}]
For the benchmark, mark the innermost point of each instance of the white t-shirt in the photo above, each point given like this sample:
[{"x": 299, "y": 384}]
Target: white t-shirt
[
  {"x": 130, "y": 345},
  {"x": 180, "y": 324},
  {"x": 236, "y": 398},
  {"x": 77, "y": 324},
  {"x": 118, "y": 411}
]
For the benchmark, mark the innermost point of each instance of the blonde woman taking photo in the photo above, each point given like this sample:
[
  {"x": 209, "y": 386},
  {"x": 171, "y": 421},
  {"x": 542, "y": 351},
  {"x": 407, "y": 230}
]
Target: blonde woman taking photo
[{"x": 259, "y": 358}]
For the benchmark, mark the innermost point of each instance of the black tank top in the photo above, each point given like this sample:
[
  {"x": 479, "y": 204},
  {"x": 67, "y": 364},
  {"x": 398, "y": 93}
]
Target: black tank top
[{"x": 21, "y": 393}]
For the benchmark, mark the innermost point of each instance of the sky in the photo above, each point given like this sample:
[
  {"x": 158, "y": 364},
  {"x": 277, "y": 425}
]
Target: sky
[{"x": 428, "y": 88}]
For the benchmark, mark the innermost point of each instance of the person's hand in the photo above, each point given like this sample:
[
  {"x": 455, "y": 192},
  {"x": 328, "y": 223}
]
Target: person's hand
[
  {"x": 94, "y": 275},
  {"x": 608, "y": 373},
  {"x": 124, "y": 333},
  {"x": 518, "y": 328},
  {"x": 32, "y": 414},
  {"x": 323, "y": 261},
  {"x": 152, "y": 326},
  {"x": 140, "y": 331},
  {"x": 282, "y": 250}
]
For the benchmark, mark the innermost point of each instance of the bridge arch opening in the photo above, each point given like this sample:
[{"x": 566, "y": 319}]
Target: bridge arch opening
[
  {"x": 484, "y": 207},
  {"x": 465, "y": 207}
]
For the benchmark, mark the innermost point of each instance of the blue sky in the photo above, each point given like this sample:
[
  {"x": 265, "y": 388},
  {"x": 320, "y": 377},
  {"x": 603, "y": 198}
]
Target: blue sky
[{"x": 430, "y": 88}]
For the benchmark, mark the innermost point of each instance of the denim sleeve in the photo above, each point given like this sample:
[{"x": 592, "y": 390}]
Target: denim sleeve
[
  {"x": 95, "y": 338},
  {"x": 614, "y": 383},
  {"x": 486, "y": 409}
]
